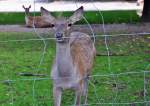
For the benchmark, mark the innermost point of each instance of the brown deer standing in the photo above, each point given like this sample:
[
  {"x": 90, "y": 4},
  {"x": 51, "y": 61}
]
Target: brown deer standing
[
  {"x": 75, "y": 52},
  {"x": 34, "y": 21}
]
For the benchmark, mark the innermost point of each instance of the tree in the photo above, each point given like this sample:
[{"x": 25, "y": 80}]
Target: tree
[{"x": 146, "y": 11}]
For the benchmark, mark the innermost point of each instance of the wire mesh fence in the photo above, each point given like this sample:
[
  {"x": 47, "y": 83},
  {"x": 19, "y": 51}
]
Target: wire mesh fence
[{"x": 120, "y": 74}]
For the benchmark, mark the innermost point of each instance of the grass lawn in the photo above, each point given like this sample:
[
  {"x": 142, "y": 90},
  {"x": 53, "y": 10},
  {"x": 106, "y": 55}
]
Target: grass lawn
[
  {"x": 91, "y": 17},
  {"x": 131, "y": 55}
]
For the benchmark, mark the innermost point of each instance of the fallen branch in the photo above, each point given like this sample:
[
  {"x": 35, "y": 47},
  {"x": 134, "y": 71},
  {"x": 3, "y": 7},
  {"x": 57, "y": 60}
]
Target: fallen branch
[
  {"x": 7, "y": 82},
  {"x": 31, "y": 74},
  {"x": 112, "y": 54}
]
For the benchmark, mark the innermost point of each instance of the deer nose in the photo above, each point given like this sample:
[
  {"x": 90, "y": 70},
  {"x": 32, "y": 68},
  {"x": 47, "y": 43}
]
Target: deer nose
[{"x": 59, "y": 35}]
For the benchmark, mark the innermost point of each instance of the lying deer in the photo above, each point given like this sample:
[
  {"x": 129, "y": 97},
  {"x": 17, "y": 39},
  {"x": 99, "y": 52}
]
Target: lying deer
[
  {"x": 34, "y": 21},
  {"x": 75, "y": 52}
]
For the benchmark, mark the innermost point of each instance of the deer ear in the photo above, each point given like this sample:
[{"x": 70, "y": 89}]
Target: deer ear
[
  {"x": 46, "y": 14},
  {"x": 23, "y": 6},
  {"x": 44, "y": 11},
  {"x": 29, "y": 6},
  {"x": 77, "y": 15}
]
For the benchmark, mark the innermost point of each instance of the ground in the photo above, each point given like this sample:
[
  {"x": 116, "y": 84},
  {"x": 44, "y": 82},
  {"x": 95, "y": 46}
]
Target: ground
[
  {"x": 118, "y": 78},
  {"x": 97, "y": 29}
]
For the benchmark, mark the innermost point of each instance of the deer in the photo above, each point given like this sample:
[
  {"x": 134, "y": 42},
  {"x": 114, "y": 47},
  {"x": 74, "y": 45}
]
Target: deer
[
  {"x": 34, "y": 21},
  {"x": 74, "y": 58}
]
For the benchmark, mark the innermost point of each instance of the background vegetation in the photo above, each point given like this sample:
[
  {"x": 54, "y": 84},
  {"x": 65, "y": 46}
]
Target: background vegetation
[{"x": 93, "y": 17}]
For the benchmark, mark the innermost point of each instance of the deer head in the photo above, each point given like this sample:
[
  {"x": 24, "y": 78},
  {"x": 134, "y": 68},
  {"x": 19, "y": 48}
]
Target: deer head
[
  {"x": 62, "y": 26},
  {"x": 27, "y": 9}
]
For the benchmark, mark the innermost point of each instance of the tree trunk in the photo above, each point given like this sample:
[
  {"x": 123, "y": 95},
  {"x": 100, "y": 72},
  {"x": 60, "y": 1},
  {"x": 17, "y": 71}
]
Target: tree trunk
[{"x": 146, "y": 11}]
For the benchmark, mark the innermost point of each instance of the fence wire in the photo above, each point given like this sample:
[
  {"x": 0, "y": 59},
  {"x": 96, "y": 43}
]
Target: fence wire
[{"x": 113, "y": 75}]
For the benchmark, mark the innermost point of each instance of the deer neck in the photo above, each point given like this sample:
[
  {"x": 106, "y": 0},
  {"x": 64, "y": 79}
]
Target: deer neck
[
  {"x": 64, "y": 60},
  {"x": 27, "y": 17},
  {"x": 27, "y": 13}
]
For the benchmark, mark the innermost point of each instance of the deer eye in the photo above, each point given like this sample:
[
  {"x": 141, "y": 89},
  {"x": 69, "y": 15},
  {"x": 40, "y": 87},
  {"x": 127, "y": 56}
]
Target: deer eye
[
  {"x": 52, "y": 25},
  {"x": 69, "y": 25}
]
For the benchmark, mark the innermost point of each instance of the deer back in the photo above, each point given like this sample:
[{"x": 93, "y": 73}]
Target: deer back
[
  {"x": 38, "y": 21},
  {"x": 83, "y": 52}
]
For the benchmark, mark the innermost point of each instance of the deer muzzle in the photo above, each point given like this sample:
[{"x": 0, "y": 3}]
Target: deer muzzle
[{"x": 59, "y": 37}]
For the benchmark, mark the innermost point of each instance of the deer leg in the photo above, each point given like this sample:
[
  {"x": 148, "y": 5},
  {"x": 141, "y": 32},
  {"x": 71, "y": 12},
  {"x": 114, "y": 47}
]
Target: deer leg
[
  {"x": 57, "y": 92},
  {"x": 85, "y": 91},
  {"x": 78, "y": 98}
]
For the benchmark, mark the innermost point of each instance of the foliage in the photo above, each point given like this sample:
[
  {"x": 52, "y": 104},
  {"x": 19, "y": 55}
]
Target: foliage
[{"x": 93, "y": 17}]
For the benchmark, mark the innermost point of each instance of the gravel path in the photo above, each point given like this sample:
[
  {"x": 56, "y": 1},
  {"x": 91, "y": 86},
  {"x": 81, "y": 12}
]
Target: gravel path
[{"x": 110, "y": 28}]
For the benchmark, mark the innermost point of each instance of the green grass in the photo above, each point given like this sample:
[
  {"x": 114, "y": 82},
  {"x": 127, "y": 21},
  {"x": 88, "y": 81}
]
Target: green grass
[
  {"x": 93, "y": 17},
  {"x": 16, "y": 57}
]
